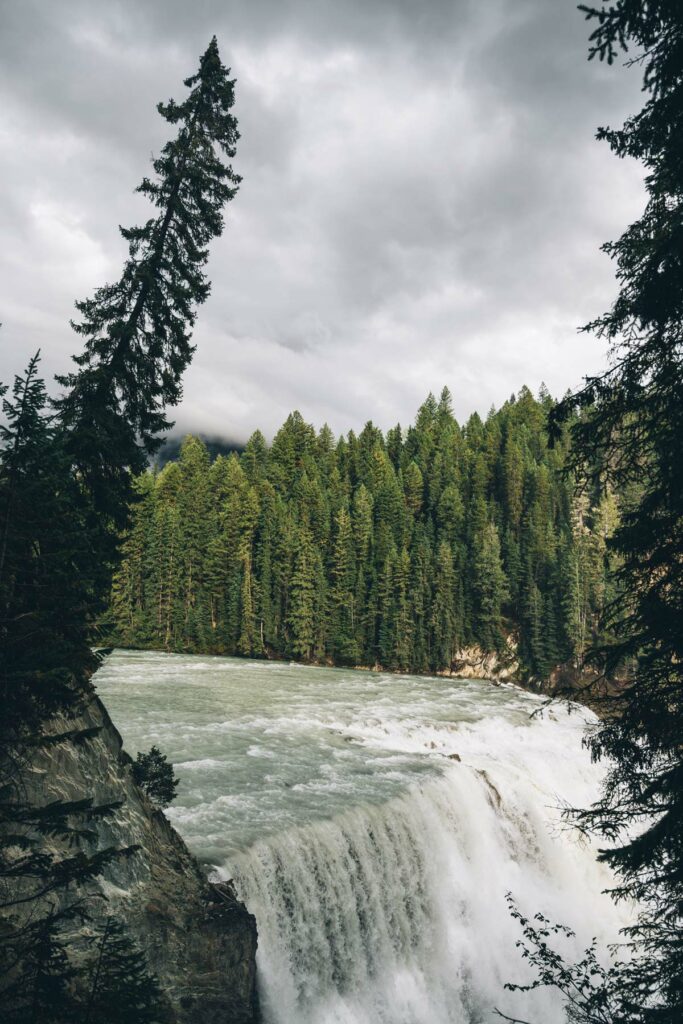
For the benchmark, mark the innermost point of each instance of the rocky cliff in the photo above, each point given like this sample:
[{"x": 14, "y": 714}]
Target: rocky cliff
[
  {"x": 475, "y": 663},
  {"x": 198, "y": 938},
  {"x": 564, "y": 682}
]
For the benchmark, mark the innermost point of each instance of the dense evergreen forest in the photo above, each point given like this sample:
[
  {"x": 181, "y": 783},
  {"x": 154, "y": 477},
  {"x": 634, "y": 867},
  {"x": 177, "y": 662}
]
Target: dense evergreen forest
[{"x": 396, "y": 550}]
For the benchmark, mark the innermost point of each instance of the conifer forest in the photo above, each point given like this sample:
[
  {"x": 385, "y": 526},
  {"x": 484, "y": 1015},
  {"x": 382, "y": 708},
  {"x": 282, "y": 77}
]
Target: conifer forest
[{"x": 394, "y": 550}]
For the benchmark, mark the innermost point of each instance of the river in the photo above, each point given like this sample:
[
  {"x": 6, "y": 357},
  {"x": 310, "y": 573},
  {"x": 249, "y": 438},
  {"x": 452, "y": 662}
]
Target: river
[{"x": 374, "y": 823}]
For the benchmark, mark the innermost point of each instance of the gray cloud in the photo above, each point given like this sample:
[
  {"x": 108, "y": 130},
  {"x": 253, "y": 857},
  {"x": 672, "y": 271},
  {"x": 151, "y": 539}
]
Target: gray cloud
[{"x": 423, "y": 201}]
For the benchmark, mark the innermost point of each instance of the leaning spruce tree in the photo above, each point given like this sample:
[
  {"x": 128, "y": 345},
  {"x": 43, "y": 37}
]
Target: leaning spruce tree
[
  {"x": 137, "y": 332},
  {"x": 65, "y": 482}
]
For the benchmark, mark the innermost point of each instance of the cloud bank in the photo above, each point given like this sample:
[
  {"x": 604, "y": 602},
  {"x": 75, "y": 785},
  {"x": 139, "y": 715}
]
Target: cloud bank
[{"x": 422, "y": 203}]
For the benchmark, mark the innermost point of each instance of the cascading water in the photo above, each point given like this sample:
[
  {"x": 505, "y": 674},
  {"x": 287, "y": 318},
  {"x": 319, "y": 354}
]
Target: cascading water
[{"x": 373, "y": 825}]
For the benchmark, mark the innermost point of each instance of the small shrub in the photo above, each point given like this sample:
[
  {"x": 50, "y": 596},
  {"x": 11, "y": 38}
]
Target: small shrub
[{"x": 154, "y": 773}]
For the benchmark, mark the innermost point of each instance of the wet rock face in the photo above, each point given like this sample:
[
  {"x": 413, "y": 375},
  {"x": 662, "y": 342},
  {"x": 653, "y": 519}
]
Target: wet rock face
[
  {"x": 474, "y": 663},
  {"x": 198, "y": 939}
]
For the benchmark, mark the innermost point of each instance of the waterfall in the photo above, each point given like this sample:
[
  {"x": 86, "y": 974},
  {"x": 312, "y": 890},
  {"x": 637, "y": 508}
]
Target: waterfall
[
  {"x": 396, "y": 914},
  {"x": 373, "y": 825}
]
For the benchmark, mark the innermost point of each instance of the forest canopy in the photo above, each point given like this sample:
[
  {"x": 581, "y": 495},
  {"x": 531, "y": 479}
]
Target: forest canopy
[{"x": 396, "y": 550}]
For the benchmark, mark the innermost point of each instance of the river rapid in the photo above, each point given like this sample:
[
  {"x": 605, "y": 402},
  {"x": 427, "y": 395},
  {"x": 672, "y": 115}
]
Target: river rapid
[{"x": 373, "y": 824}]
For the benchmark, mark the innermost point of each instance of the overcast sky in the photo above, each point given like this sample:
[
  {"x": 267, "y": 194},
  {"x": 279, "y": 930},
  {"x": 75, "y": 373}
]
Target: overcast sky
[{"x": 423, "y": 200}]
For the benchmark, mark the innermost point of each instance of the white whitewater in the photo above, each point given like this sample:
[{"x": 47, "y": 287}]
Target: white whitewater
[{"x": 374, "y": 824}]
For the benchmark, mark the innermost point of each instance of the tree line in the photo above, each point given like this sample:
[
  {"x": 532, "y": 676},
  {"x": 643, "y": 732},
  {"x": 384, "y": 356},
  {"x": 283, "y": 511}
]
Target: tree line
[{"x": 396, "y": 550}]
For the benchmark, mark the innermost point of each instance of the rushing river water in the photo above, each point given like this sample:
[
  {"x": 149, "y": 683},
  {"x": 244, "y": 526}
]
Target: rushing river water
[{"x": 373, "y": 824}]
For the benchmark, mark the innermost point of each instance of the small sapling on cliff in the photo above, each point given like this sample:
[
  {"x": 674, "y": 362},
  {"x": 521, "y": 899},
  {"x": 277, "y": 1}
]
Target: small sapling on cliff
[{"x": 154, "y": 773}]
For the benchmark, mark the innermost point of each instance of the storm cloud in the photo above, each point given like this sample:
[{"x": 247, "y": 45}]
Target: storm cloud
[{"x": 422, "y": 203}]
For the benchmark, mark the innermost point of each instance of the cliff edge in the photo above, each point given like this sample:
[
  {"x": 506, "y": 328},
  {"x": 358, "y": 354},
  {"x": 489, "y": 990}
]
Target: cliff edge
[{"x": 198, "y": 939}]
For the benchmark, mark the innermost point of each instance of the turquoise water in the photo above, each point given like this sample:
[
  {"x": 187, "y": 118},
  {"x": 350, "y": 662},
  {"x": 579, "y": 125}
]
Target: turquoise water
[
  {"x": 260, "y": 746},
  {"x": 373, "y": 824}
]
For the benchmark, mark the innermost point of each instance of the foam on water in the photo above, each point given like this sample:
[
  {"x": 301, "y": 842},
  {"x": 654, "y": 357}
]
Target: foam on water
[{"x": 373, "y": 824}]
